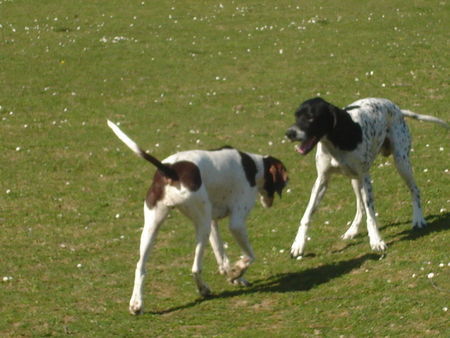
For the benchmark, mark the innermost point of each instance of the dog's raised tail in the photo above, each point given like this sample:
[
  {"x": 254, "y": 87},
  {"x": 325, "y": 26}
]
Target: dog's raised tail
[
  {"x": 166, "y": 170},
  {"x": 426, "y": 118}
]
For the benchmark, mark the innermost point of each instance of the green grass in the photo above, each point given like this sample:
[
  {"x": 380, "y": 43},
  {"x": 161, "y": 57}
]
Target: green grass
[{"x": 195, "y": 74}]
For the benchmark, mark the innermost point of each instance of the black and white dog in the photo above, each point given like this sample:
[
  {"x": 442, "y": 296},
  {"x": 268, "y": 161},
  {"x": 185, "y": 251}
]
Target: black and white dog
[
  {"x": 348, "y": 140},
  {"x": 205, "y": 186}
]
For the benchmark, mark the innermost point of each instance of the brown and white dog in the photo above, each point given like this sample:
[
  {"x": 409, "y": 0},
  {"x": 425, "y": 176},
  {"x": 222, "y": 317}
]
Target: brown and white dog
[{"x": 206, "y": 186}]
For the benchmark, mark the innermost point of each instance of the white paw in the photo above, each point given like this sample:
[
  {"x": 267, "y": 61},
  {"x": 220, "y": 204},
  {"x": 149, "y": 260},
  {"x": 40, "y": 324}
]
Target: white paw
[
  {"x": 297, "y": 249},
  {"x": 238, "y": 269},
  {"x": 378, "y": 246},
  {"x": 241, "y": 282},
  {"x": 351, "y": 232},
  {"x": 349, "y": 235},
  {"x": 136, "y": 307}
]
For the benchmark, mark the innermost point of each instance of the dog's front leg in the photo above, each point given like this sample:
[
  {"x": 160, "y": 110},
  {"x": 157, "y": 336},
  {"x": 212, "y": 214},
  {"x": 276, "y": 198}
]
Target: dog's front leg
[
  {"x": 153, "y": 219},
  {"x": 318, "y": 190},
  {"x": 376, "y": 243},
  {"x": 239, "y": 232},
  {"x": 218, "y": 249},
  {"x": 354, "y": 227}
]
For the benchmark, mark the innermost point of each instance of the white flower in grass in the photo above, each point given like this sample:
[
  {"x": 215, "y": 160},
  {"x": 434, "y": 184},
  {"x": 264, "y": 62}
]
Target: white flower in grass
[
  {"x": 79, "y": 265},
  {"x": 430, "y": 275}
]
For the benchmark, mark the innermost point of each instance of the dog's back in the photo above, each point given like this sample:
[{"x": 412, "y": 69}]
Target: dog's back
[
  {"x": 376, "y": 117},
  {"x": 227, "y": 175}
]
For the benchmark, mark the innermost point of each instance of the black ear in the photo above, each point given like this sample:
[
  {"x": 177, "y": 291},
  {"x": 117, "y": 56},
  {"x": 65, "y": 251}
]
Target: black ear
[
  {"x": 334, "y": 115},
  {"x": 326, "y": 116}
]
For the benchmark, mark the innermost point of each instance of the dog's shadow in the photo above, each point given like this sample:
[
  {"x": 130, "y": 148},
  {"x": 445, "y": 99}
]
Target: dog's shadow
[
  {"x": 435, "y": 223},
  {"x": 307, "y": 279},
  {"x": 286, "y": 282}
]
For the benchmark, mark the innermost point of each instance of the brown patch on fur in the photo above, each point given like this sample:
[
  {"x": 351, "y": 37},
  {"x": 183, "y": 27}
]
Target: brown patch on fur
[
  {"x": 188, "y": 174},
  {"x": 156, "y": 191}
]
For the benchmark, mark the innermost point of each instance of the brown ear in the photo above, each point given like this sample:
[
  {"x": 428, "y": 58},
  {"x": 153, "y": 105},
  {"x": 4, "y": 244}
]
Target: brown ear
[{"x": 279, "y": 176}]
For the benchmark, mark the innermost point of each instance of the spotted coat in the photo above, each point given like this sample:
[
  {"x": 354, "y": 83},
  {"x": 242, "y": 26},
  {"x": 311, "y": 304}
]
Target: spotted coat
[{"x": 348, "y": 141}]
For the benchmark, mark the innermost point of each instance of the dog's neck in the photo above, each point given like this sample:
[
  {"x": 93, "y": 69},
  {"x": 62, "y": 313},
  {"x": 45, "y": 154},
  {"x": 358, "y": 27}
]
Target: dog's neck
[
  {"x": 259, "y": 177},
  {"x": 345, "y": 133}
]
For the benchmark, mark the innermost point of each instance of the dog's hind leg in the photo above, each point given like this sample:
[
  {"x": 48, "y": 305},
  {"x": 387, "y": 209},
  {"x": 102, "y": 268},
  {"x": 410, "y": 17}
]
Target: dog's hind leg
[
  {"x": 354, "y": 227},
  {"x": 153, "y": 217},
  {"x": 404, "y": 169},
  {"x": 218, "y": 249},
  {"x": 202, "y": 229},
  {"x": 199, "y": 211},
  {"x": 376, "y": 243}
]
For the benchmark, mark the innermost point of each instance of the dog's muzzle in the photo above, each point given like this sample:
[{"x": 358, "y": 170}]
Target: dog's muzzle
[
  {"x": 295, "y": 134},
  {"x": 266, "y": 201}
]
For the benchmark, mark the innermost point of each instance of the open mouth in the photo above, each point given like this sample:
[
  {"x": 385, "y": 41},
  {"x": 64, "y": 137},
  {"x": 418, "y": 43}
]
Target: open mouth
[{"x": 307, "y": 145}]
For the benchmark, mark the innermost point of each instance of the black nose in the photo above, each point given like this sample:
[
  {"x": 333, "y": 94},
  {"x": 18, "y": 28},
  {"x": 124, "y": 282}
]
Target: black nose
[{"x": 290, "y": 134}]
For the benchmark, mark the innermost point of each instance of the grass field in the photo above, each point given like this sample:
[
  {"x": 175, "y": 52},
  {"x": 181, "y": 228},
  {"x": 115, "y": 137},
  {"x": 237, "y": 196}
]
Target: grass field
[{"x": 191, "y": 74}]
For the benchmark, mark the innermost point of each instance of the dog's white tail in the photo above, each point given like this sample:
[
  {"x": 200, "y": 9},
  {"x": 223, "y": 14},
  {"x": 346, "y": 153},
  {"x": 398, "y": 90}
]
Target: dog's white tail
[
  {"x": 166, "y": 170},
  {"x": 426, "y": 118},
  {"x": 125, "y": 139}
]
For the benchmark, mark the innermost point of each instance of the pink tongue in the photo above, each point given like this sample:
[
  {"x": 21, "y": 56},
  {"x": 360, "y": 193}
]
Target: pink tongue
[{"x": 306, "y": 146}]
